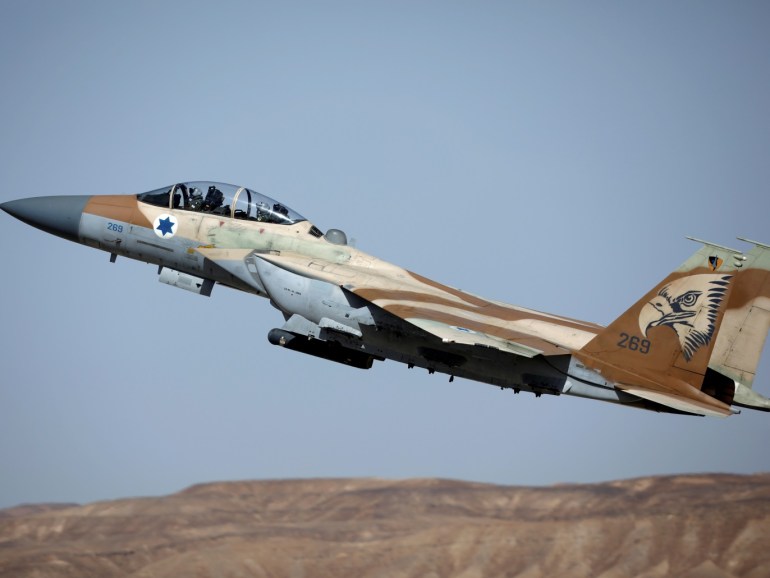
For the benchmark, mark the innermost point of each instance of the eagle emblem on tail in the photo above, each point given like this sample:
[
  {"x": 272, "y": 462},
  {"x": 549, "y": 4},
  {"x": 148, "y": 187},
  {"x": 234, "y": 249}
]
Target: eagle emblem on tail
[{"x": 689, "y": 306}]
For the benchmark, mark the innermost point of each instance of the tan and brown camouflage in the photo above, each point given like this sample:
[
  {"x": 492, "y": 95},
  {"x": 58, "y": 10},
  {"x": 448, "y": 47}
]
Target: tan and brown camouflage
[{"x": 690, "y": 345}]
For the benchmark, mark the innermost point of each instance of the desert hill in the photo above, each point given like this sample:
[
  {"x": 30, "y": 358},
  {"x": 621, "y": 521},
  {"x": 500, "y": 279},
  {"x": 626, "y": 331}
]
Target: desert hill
[{"x": 711, "y": 526}]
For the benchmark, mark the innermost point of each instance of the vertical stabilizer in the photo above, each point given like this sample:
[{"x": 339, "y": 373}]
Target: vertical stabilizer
[
  {"x": 668, "y": 335},
  {"x": 745, "y": 326}
]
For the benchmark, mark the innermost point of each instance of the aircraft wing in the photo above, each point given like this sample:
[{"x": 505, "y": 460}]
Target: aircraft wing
[
  {"x": 449, "y": 315},
  {"x": 463, "y": 325},
  {"x": 455, "y": 334}
]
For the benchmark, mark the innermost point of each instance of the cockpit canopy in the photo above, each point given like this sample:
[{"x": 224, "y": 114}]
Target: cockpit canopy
[{"x": 222, "y": 199}]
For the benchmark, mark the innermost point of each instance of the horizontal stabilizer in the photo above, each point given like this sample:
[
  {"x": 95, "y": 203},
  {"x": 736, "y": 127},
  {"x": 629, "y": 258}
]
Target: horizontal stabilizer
[
  {"x": 687, "y": 405},
  {"x": 747, "y": 397}
]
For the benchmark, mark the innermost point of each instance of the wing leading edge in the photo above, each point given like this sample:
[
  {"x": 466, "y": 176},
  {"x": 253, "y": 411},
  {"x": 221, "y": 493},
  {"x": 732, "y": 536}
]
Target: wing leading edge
[{"x": 450, "y": 315}]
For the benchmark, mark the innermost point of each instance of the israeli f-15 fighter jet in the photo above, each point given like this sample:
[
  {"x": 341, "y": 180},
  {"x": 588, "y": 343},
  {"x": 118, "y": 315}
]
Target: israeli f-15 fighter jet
[{"x": 689, "y": 345}]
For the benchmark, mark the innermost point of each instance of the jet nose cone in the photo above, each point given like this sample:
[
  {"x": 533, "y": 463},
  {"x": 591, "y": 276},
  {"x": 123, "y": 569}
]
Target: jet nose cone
[{"x": 56, "y": 215}]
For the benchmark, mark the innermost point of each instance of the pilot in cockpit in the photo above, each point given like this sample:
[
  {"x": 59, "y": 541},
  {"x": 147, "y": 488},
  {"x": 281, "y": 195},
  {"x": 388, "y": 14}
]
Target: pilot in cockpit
[
  {"x": 280, "y": 209},
  {"x": 263, "y": 211},
  {"x": 180, "y": 191},
  {"x": 214, "y": 199},
  {"x": 196, "y": 199}
]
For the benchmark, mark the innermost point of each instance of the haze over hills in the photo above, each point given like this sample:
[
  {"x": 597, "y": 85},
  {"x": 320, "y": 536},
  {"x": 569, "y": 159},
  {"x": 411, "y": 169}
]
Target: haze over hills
[{"x": 699, "y": 525}]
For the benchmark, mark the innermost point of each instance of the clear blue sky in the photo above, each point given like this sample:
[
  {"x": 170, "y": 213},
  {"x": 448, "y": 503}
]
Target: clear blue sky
[{"x": 552, "y": 155}]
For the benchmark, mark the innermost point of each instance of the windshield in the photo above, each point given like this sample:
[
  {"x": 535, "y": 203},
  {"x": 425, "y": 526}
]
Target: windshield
[{"x": 222, "y": 199}]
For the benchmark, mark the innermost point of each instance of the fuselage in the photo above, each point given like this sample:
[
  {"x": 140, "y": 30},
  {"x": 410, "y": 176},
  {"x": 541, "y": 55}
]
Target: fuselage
[
  {"x": 180, "y": 227},
  {"x": 341, "y": 303}
]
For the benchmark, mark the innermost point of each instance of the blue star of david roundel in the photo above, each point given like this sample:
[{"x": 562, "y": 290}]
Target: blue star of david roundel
[{"x": 165, "y": 226}]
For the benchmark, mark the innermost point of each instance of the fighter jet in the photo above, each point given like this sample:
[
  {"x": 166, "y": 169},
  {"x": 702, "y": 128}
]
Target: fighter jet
[{"x": 690, "y": 345}]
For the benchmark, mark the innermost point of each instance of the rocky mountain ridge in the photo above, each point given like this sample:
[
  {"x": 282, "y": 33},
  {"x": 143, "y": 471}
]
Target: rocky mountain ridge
[{"x": 701, "y": 525}]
